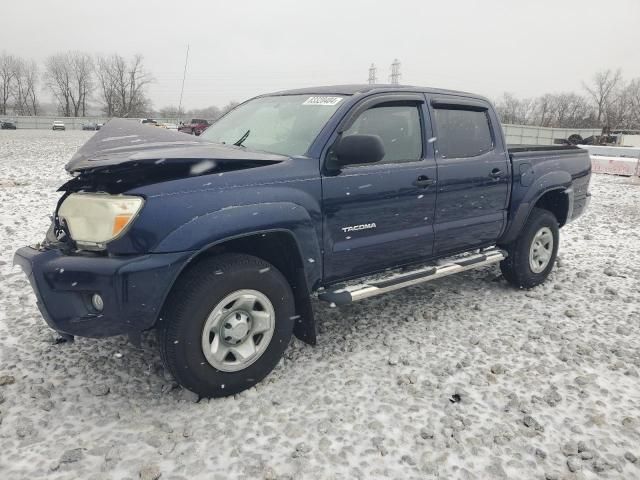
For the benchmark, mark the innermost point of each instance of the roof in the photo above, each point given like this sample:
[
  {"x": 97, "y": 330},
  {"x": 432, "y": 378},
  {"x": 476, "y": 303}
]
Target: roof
[{"x": 353, "y": 89}]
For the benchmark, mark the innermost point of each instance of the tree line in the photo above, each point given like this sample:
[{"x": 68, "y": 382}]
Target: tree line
[
  {"x": 75, "y": 79},
  {"x": 608, "y": 101}
]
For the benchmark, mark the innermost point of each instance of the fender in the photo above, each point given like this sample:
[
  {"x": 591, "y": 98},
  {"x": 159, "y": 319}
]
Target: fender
[
  {"x": 206, "y": 231},
  {"x": 524, "y": 199}
]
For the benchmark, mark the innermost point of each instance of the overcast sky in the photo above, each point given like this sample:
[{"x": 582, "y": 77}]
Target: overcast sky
[{"x": 243, "y": 48}]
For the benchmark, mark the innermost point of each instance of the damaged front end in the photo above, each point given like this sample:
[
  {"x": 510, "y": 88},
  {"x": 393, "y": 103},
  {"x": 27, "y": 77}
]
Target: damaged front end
[
  {"x": 85, "y": 285},
  {"x": 125, "y": 154}
]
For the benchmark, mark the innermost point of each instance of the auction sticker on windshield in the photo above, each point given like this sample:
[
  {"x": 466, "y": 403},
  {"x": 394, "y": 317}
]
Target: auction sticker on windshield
[{"x": 330, "y": 101}]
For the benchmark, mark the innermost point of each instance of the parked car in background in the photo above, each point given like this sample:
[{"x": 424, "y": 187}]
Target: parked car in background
[
  {"x": 195, "y": 127},
  {"x": 91, "y": 126},
  {"x": 7, "y": 125},
  {"x": 58, "y": 125},
  {"x": 169, "y": 126},
  {"x": 149, "y": 121}
]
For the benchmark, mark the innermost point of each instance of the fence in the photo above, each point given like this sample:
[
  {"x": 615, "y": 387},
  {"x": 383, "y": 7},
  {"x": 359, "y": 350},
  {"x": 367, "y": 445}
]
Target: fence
[
  {"x": 529, "y": 135},
  {"x": 515, "y": 134},
  {"x": 71, "y": 123}
]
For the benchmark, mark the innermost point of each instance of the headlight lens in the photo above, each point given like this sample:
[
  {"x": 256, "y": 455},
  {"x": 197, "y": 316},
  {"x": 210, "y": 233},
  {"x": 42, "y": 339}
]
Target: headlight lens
[{"x": 95, "y": 219}]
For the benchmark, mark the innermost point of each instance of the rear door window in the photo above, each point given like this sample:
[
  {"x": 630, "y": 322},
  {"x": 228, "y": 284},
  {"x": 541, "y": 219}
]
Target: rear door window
[{"x": 462, "y": 133}]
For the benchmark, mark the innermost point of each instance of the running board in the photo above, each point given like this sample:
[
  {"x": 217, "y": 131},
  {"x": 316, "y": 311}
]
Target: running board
[{"x": 353, "y": 293}]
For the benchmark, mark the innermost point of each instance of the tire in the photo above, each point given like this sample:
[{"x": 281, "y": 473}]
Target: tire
[
  {"x": 518, "y": 268},
  {"x": 192, "y": 306},
  {"x": 575, "y": 139}
]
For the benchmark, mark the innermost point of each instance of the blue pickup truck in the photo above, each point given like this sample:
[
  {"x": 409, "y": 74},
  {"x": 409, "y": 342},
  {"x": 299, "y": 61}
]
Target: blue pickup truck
[{"x": 347, "y": 192}]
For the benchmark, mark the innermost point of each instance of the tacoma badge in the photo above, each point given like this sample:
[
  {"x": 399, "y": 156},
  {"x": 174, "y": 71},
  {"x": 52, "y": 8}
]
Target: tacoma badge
[{"x": 355, "y": 228}]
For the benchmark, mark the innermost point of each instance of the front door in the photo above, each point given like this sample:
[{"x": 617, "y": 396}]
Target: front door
[
  {"x": 381, "y": 215},
  {"x": 473, "y": 176}
]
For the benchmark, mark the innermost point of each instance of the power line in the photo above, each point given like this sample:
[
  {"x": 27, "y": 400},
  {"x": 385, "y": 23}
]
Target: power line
[{"x": 184, "y": 76}]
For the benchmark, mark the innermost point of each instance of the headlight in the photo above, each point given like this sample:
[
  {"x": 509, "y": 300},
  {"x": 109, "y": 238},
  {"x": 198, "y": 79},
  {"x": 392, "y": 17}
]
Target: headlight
[{"x": 94, "y": 219}]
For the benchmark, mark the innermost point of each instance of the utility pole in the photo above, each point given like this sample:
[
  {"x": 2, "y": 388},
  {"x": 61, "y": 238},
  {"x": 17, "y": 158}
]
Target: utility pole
[
  {"x": 372, "y": 74},
  {"x": 184, "y": 75},
  {"x": 395, "y": 72}
]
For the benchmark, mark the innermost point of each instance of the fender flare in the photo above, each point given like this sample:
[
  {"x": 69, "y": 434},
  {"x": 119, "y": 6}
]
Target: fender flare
[
  {"x": 549, "y": 182},
  {"x": 206, "y": 231}
]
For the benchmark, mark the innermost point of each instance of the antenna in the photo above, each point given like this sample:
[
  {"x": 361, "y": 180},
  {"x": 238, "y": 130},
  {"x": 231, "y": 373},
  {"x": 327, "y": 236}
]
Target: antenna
[
  {"x": 372, "y": 74},
  {"x": 395, "y": 72},
  {"x": 184, "y": 76}
]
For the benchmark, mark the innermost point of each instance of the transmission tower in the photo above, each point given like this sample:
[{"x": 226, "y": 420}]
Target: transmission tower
[
  {"x": 395, "y": 72},
  {"x": 372, "y": 74}
]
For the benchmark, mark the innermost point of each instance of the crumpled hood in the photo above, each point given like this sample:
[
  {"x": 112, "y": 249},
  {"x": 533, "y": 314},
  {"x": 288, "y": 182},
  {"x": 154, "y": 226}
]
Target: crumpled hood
[
  {"x": 125, "y": 154},
  {"x": 128, "y": 141}
]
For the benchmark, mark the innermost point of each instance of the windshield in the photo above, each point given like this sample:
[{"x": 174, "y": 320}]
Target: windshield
[{"x": 285, "y": 124}]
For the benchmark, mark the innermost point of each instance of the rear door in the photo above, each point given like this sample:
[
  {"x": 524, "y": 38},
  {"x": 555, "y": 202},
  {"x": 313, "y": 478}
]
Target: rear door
[
  {"x": 473, "y": 174},
  {"x": 381, "y": 215}
]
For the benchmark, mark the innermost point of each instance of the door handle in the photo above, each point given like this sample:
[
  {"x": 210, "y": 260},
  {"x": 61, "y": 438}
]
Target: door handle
[
  {"x": 496, "y": 173},
  {"x": 423, "y": 181}
]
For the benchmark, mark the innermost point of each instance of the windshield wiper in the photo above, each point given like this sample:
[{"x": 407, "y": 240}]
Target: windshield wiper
[{"x": 242, "y": 139}]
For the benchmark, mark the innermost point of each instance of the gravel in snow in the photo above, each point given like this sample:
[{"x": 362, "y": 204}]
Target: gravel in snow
[{"x": 465, "y": 377}]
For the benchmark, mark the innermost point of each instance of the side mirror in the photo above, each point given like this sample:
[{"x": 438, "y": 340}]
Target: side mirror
[{"x": 358, "y": 149}]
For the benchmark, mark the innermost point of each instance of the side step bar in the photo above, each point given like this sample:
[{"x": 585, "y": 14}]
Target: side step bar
[{"x": 353, "y": 293}]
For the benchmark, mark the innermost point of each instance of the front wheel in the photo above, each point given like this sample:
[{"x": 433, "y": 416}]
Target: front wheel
[
  {"x": 226, "y": 324},
  {"x": 532, "y": 255}
]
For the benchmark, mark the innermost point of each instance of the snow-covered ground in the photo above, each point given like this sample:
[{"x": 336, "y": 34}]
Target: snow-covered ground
[{"x": 464, "y": 377}]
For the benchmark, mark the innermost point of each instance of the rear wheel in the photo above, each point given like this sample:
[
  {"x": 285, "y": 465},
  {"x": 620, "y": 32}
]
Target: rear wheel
[
  {"x": 531, "y": 256},
  {"x": 226, "y": 324}
]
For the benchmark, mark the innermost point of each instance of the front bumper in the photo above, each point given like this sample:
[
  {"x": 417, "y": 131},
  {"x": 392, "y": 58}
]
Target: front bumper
[{"x": 133, "y": 289}]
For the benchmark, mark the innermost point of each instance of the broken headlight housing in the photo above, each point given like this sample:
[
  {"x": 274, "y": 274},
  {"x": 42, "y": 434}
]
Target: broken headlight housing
[{"x": 93, "y": 219}]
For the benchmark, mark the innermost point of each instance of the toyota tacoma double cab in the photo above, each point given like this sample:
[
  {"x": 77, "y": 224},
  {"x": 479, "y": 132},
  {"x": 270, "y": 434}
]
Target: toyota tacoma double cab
[{"x": 346, "y": 192}]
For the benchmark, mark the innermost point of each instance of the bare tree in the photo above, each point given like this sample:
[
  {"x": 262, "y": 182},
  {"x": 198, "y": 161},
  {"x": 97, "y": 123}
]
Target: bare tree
[
  {"x": 633, "y": 96},
  {"x": 69, "y": 76},
  {"x": 544, "y": 110},
  {"x": 131, "y": 81},
  {"x": 170, "y": 111},
  {"x": 123, "y": 86},
  {"x": 567, "y": 110},
  {"x": 604, "y": 84},
  {"x": 105, "y": 73},
  {"x": 514, "y": 110},
  {"x": 209, "y": 113},
  {"x": 82, "y": 69},
  {"x": 7, "y": 80},
  {"x": 229, "y": 106},
  {"x": 58, "y": 80},
  {"x": 25, "y": 93}
]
